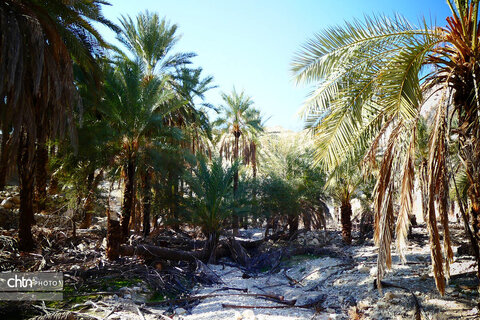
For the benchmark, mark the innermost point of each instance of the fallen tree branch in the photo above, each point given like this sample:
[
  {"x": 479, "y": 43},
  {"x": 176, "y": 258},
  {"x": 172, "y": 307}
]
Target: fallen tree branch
[
  {"x": 161, "y": 252},
  {"x": 271, "y": 297},
  {"x": 229, "y": 288},
  {"x": 226, "y": 305},
  {"x": 314, "y": 304}
]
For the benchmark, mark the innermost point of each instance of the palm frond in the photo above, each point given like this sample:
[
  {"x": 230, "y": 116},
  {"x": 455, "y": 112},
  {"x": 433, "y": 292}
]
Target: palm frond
[{"x": 406, "y": 196}]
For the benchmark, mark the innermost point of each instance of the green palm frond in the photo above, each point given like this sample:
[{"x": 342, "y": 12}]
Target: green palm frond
[
  {"x": 365, "y": 78},
  {"x": 212, "y": 186},
  {"x": 151, "y": 39}
]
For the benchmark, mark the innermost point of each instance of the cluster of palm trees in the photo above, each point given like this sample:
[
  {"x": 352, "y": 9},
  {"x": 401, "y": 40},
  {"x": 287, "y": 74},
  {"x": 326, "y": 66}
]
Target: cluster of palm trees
[
  {"x": 372, "y": 79},
  {"x": 76, "y": 111}
]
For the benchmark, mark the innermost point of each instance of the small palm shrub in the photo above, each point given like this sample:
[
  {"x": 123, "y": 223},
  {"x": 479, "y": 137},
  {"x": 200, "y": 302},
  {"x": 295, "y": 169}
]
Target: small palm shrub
[{"x": 211, "y": 202}]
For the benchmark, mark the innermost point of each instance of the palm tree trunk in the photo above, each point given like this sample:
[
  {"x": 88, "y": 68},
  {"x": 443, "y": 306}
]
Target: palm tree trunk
[
  {"x": 146, "y": 201},
  {"x": 292, "y": 224},
  {"x": 254, "y": 169},
  {"x": 134, "y": 220},
  {"x": 469, "y": 146},
  {"x": 4, "y": 156},
  {"x": 307, "y": 219},
  {"x": 210, "y": 246},
  {"x": 94, "y": 181},
  {"x": 474, "y": 194},
  {"x": 25, "y": 161},
  {"x": 345, "y": 216},
  {"x": 53, "y": 185},
  {"x": 235, "y": 182},
  {"x": 128, "y": 194},
  {"x": 114, "y": 237},
  {"x": 41, "y": 159},
  {"x": 87, "y": 215}
]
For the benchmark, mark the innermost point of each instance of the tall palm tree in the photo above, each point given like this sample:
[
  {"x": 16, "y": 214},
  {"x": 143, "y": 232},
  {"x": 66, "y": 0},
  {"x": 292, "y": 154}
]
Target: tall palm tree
[
  {"x": 152, "y": 39},
  {"x": 239, "y": 124},
  {"x": 134, "y": 109},
  {"x": 40, "y": 40},
  {"x": 373, "y": 77}
]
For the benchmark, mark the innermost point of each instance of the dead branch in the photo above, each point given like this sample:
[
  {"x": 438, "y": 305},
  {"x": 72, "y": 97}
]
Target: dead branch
[
  {"x": 148, "y": 251},
  {"x": 314, "y": 304},
  {"x": 271, "y": 297}
]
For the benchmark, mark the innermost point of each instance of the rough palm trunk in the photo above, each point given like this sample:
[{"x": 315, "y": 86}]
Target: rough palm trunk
[
  {"x": 173, "y": 201},
  {"x": 292, "y": 224},
  {"x": 4, "y": 156},
  {"x": 134, "y": 220},
  {"x": 473, "y": 172},
  {"x": 474, "y": 194},
  {"x": 253, "y": 148},
  {"x": 93, "y": 182},
  {"x": 25, "y": 162},
  {"x": 235, "y": 182},
  {"x": 53, "y": 185},
  {"x": 146, "y": 201},
  {"x": 128, "y": 194},
  {"x": 87, "y": 215},
  {"x": 210, "y": 246},
  {"x": 41, "y": 160},
  {"x": 307, "y": 220},
  {"x": 114, "y": 238},
  {"x": 469, "y": 140},
  {"x": 345, "y": 217}
]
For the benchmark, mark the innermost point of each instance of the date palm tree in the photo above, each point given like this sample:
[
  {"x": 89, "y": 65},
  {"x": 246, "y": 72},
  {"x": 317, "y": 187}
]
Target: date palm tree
[
  {"x": 372, "y": 79},
  {"x": 239, "y": 124},
  {"x": 213, "y": 198},
  {"x": 40, "y": 40},
  {"x": 133, "y": 108},
  {"x": 343, "y": 185},
  {"x": 151, "y": 40}
]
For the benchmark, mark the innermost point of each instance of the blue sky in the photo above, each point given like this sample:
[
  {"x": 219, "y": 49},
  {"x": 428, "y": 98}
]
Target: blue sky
[{"x": 249, "y": 44}]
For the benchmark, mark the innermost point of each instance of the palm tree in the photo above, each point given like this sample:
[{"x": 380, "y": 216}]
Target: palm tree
[
  {"x": 373, "y": 77},
  {"x": 134, "y": 109},
  {"x": 152, "y": 39},
  {"x": 239, "y": 124},
  {"x": 343, "y": 185},
  {"x": 40, "y": 41},
  {"x": 212, "y": 200}
]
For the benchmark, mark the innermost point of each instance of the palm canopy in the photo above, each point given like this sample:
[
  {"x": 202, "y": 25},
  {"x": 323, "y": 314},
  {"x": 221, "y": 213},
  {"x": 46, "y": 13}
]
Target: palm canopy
[
  {"x": 371, "y": 79},
  {"x": 212, "y": 186},
  {"x": 39, "y": 44},
  {"x": 134, "y": 106},
  {"x": 151, "y": 39},
  {"x": 239, "y": 122}
]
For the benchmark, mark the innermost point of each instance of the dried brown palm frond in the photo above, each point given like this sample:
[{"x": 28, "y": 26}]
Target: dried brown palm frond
[
  {"x": 437, "y": 189},
  {"x": 383, "y": 205},
  {"x": 370, "y": 159},
  {"x": 406, "y": 197}
]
